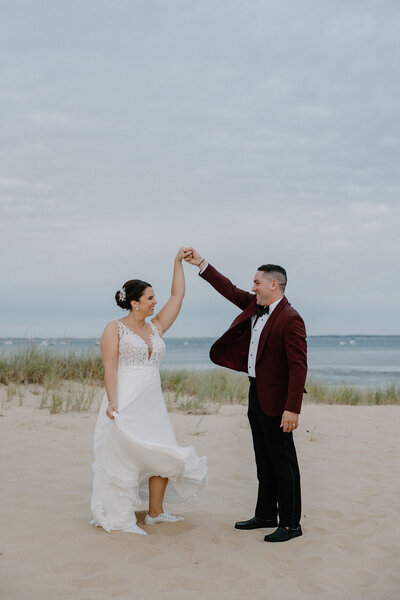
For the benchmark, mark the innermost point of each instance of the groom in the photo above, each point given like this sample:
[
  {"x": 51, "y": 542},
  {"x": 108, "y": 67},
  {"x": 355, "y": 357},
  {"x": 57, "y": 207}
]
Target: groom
[{"x": 267, "y": 341}]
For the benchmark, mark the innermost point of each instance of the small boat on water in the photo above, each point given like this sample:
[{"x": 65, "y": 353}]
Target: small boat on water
[
  {"x": 7, "y": 342},
  {"x": 43, "y": 343},
  {"x": 352, "y": 342}
]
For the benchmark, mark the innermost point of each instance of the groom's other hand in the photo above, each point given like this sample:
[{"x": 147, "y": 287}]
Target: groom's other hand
[
  {"x": 290, "y": 421},
  {"x": 195, "y": 259}
]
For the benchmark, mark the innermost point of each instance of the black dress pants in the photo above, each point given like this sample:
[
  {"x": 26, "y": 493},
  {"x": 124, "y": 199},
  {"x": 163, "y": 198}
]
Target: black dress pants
[{"x": 277, "y": 468}]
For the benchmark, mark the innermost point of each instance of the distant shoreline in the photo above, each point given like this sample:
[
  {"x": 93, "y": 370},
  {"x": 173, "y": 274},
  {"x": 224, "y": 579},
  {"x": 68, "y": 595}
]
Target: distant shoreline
[{"x": 204, "y": 338}]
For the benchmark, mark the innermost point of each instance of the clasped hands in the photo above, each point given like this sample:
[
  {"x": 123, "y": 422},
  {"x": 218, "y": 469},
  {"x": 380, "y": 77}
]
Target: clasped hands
[{"x": 191, "y": 256}]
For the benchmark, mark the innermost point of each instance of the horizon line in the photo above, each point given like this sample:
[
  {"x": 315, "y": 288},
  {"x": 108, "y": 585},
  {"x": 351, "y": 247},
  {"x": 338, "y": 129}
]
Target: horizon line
[{"x": 194, "y": 337}]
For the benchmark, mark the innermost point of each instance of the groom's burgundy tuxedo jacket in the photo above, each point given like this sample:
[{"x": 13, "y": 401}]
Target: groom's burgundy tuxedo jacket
[{"x": 281, "y": 364}]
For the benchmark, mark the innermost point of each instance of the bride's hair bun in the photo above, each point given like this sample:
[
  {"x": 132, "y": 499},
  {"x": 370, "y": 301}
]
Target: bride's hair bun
[{"x": 131, "y": 290}]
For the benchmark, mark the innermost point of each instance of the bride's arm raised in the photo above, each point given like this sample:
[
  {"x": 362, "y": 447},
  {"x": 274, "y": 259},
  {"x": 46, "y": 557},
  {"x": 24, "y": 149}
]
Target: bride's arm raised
[
  {"x": 167, "y": 315},
  {"x": 109, "y": 357}
]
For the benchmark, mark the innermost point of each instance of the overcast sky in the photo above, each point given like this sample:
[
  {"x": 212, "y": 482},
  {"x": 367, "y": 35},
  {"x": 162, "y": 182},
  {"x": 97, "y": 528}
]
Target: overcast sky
[{"x": 257, "y": 131}]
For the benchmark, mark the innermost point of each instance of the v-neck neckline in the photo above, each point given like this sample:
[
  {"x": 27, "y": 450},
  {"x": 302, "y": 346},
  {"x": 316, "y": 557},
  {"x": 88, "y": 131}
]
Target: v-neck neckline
[{"x": 149, "y": 348}]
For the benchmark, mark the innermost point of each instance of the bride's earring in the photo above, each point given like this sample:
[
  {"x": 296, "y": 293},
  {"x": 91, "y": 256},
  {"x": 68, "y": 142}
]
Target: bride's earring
[{"x": 137, "y": 308}]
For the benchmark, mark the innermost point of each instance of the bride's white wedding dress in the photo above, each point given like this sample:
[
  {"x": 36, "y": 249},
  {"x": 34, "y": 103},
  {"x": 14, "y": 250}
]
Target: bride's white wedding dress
[{"x": 139, "y": 442}]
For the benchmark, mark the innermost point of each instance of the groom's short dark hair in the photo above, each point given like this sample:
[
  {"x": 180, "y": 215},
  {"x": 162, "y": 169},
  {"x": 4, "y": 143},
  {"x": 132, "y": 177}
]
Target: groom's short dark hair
[{"x": 277, "y": 272}]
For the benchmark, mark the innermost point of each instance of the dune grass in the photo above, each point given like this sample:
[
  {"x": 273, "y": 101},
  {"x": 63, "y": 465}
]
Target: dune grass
[
  {"x": 73, "y": 381},
  {"x": 32, "y": 365},
  {"x": 195, "y": 391},
  {"x": 322, "y": 393},
  {"x": 203, "y": 392},
  {"x": 63, "y": 382}
]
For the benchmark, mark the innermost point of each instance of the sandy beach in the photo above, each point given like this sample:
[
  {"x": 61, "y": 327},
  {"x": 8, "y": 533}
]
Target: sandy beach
[{"x": 350, "y": 549}]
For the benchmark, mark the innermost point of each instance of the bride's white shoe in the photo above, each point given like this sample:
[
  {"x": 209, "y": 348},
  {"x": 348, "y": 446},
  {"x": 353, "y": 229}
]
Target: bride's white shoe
[{"x": 162, "y": 518}]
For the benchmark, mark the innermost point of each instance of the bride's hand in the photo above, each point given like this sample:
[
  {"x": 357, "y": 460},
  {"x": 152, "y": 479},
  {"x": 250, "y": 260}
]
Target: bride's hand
[
  {"x": 112, "y": 407},
  {"x": 184, "y": 253}
]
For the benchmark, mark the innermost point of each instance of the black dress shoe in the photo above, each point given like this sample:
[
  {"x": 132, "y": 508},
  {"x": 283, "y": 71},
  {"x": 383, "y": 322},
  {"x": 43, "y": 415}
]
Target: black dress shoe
[
  {"x": 256, "y": 523},
  {"x": 282, "y": 534}
]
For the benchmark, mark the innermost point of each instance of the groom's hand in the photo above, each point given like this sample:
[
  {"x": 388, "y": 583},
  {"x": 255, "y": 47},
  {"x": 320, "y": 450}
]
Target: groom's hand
[
  {"x": 195, "y": 258},
  {"x": 290, "y": 421}
]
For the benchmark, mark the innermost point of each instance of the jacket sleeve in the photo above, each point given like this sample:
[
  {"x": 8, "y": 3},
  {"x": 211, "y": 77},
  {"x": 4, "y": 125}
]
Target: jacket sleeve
[
  {"x": 296, "y": 354},
  {"x": 225, "y": 287}
]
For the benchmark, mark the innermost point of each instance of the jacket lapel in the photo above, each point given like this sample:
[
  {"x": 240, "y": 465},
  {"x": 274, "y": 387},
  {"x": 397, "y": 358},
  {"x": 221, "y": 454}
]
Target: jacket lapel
[
  {"x": 249, "y": 312},
  {"x": 266, "y": 331}
]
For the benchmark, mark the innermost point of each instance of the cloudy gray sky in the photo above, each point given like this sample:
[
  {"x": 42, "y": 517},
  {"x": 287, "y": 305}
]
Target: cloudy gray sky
[{"x": 258, "y": 131}]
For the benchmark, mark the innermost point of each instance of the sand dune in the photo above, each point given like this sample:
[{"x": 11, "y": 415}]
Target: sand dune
[{"x": 349, "y": 462}]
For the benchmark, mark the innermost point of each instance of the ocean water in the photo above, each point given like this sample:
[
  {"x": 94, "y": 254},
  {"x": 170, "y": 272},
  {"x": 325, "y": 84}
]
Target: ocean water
[{"x": 354, "y": 360}]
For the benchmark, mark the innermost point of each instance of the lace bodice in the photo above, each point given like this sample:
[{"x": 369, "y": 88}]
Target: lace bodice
[{"x": 133, "y": 350}]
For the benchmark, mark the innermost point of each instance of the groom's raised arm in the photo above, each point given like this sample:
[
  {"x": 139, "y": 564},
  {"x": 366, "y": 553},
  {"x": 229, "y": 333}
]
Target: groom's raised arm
[
  {"x": 222, "y": 284},
  {"x": 225, "y": 287}
]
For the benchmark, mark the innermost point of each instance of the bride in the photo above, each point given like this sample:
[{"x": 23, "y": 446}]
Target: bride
[{"x": 136, "y": 453}]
